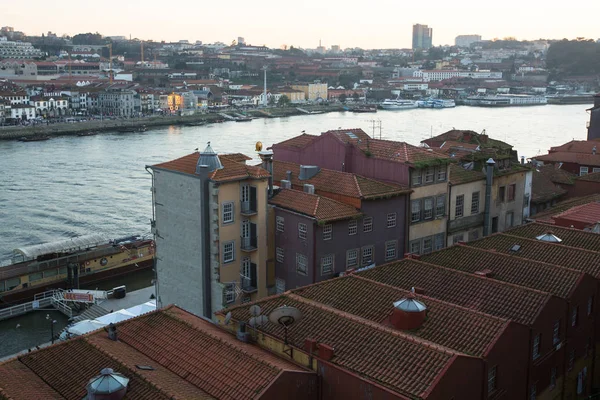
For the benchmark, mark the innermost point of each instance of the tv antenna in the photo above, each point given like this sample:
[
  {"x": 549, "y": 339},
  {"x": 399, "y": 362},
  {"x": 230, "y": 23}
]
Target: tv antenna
[{"x": 375, "y": 124}]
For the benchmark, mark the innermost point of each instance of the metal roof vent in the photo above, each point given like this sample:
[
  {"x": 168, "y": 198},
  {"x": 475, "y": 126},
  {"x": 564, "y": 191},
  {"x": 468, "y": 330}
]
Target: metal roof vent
[
  {"x": 209, "y": 158},
  {"x": 515, "y": 248},
  {"x": 109, "y": 385},
  {"x": 408, "y": 313},
  {"x": 308, "y": 171},
  {"x": 549, "y": 237}
]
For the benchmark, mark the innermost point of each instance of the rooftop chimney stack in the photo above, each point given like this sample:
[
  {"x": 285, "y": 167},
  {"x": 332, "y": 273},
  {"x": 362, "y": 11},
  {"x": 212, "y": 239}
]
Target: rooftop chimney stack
[
  {"x": 310, "y": 189},
  {"x": 242, "y": 335},
  {"x": 488, "y": 195},
  {"x": 288, "y": 175},
  {"x": 112, "y": 332},
  {"x": 285, "y": 184}
]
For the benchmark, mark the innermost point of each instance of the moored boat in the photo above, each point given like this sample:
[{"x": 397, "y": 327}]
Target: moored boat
[
  {"x": 90, "y": 133},
  {"x": 132, "y": 129},
  {"x": 398, "y": 104},
  {"x": 37, "y": 138}
]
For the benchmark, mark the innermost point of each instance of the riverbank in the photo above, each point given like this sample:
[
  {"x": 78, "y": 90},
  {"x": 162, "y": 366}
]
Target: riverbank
[{"x": 66, "y": 129}]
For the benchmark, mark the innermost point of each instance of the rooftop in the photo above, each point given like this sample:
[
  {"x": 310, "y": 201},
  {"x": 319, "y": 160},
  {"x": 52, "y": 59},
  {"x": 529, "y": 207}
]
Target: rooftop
[
  {"x": 586, "y": 213},
  {"x": 570, "y": 237},
  {"x": 593, "y": 177},
  {"x": 321, "y": 208},
  {"x": 298, "y": 141},
  {"x": 543, "y": 189},
  {"x": 460, "y": 175},
  {"x": 466, "y": 136},
  {"x": 571, "y": 157},
  {"x": 546, "y": 215},
  {"x": 576, "y": 146},
  {"x": 557, "y": 175}
]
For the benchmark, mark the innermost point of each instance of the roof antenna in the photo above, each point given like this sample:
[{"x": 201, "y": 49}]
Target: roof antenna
[{"x": 285, "y": 316}]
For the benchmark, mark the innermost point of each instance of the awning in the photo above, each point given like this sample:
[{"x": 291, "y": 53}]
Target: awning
[{"x": 61, "y": 246}]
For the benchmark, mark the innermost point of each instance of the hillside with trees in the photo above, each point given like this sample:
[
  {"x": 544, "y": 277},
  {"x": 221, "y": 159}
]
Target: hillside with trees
[{"x": 573, "y": 57}]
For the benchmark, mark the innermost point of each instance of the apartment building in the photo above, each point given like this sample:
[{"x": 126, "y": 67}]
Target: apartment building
[
  {"x": 210, "y": 224},
  {"x": 312, "y": 91},
  {"x": 117, "y": 102}
]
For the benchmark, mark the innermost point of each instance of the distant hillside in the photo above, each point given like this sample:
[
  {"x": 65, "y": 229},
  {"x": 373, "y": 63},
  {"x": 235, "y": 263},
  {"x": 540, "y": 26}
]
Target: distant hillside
[{"x": 572, "y": 58}]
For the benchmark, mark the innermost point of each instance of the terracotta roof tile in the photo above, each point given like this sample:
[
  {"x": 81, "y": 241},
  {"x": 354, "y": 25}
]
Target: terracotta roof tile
[
  {"x": 471, "y": 291},
  {"x": 17, "y": 381},
  {"x": 370, "y": 350},
  {"x": 459, "y": 175},
  {"x": 586, "y": 213},
  {"x": 576, "y": 146},
  {"x": 458, "y": 135},
  {"x": 346, "y": 135},
  {"x": 321, "y": 208},
  {"x": 552, "y": 253},
  {"x": 570, "y": 237},
  {"x": 532, "y": 274},
  {"x": 234, "y": 168},
  {"x": 446, "y": 323},
  {"x": 398, "y": 151},
  {"x": 543, "y": 189},
  {"x": 568, "y": 157},
  {"x": 594, "y": 177},
  {"x": 344, "y": 183},
  {"x": 298, "y": 141},
  {"x": 547, "y": 214},
  {"x": 557, "y": 175}
]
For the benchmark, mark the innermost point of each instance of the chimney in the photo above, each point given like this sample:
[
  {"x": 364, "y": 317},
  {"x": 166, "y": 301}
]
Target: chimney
[
  {"x": 325, "y": 352},
  {"x": 112, "y": 332},
  {"x": 308, "y": 171},
  {"x": 267, "y": 163},
  {"x": 311, "y": 345},
  {"x": 109, "y": 385},
  {"x": 467, "y": 136},
  {"x": 488, "y": 195},
  {"x": 310, "y": 189},
  {"x": 242, "y": 335},
  {"x": 409, "y": 313},
  {"x": 418, "y": 290},
  {"x": 483, "y": 138},
  {"x": 288, "y": 175},
  {"x": 285, "y": 184}
]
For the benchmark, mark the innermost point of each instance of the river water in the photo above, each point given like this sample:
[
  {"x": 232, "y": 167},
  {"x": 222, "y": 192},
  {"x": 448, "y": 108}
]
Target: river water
[{"x": 71, "y": 186}]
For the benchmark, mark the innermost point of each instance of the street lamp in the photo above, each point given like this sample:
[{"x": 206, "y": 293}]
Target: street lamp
[{"x": 51, "y": 327}]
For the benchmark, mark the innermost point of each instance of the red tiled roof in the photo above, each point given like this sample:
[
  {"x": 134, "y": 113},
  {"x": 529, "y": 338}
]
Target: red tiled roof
[
  {"x": 397, "y": 151},
  {"x": 343, "y": 183},
  {"x": 543, "y": 189},
  {"x": 585, "y": 213},
  {"x": 233, "y": 168},
  {"x": 546, "y": 215},
  {"x": 593, "y": 177},
  {"x": 446, "y": 323},
  {"x": 396, "y": 360},
  {"x": 576, "y": 146},
  {"x": 557, "y": 175},
  {"x": 298, "y": 141},
  {"x": 321, "y": 208},
  {"x": 532, "y": 274},
  {"x": 471, "y": 291},
  {"x": 570, "y": 237},
  {"x": 345, "y": 135},
  {"x": 459, "y": 175},
  {"x": 537, "y": 250},
  {"x": 575, "y": 158},
  {"x": 18, "y": 381}
]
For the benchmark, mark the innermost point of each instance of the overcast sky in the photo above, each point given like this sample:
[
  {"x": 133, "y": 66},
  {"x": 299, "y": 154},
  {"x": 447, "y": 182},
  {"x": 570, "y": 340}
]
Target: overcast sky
[{"x": 348, "y": 23}]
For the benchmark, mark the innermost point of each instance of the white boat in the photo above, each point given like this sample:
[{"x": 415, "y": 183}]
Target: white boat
[
  {"x": 398, "y": 104},
  {"x": 436, "y": 103}
]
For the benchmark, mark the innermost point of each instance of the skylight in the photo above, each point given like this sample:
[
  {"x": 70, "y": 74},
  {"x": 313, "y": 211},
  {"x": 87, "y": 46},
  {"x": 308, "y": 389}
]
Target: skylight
[
  {"x": 549, "y": 237},
  {"x": 351, "y": 135}
]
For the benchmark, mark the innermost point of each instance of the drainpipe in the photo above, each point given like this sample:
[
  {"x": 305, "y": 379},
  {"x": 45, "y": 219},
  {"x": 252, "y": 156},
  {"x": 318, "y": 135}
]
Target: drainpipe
[
  {"x": 203, "y": 171},
  {"x": 488, "y": 195},
  {"x": 154, "y": 263}
]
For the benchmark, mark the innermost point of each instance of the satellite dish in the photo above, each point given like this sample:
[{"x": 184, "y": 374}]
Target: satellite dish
[
  {"x": 252, "y": 322},
  {"x": 228, "y": 318},
  {"x": 285, "y": 316},
  {"x": 255, "y": 322},
  {"x": 255, "y": 310}
]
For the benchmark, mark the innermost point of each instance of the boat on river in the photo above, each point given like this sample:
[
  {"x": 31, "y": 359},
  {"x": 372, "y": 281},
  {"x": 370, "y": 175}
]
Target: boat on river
[
  {"x": 436, "y": 103},
  {"x": 70, "y": 263},
  {"x": 398, "y": 104},
  {"x": 37, "y": 138},
  {"x": 89, "y": 133},
  {"x": 132, "y": 129}
]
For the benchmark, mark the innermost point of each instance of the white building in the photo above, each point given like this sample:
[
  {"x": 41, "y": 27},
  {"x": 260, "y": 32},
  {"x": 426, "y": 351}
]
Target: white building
[
  {"x": 116, "y": 102},
  {"x": 22, "y": 50},
  {"x": 22, "y": 111},
  {"x": 441, "y": 74},
  {"x": 466, "y": 40}
]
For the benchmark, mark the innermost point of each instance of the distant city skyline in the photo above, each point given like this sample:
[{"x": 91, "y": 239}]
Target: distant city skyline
[{"x": 335, "y": 22}]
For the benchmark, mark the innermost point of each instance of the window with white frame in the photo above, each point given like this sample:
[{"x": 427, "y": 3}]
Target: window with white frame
[
  {"x": 228, "y": 252},
  {"x": 595, "y": 169},
  {"x": 279, "y": 254},
  {"x": 228, "y": 212},
  {"x": 492, "y": 379},
  {"x": 417, "y": 178},
  {"x": 367, "y": 224},
  {"x": 279, "y": 285},
  {"x": 439, "y": 241},
  {"x": 440, "y": 206},
  {"x": 351, "y": 258},
  {"x": 301, "y": 230},
  {"x": 428, "y": 208},
  {"x": 427, "y": 245},
  {"x": 429, "y": 173},
  {"x": 245, "y": 271},
  {"x": 391, "y": 250},
  {"x": 583, "y": 171},
  {"x": 556, "y": 332},
  {"x": 327, "y": 232},
  {"x": 415, "y": 208},
  {"x": 352, "y": 227},
  {"x": 367, "y": 255},
  {"x": 245, "y": 193},
  {"x": 301, "y": 264},
  {"x": 327, "y": 264},
  {"x": 229, "y": 292},
  {"x": 536, "y": 345},
  {"x": 280, "y": 224},
  {"x": 391, "y": 220},
  {"x": 460, "y": 206},
  {"x": 475, "y": 203},
  {"x": 441, "y": 174},
  {"x": 415, "y": 247}
]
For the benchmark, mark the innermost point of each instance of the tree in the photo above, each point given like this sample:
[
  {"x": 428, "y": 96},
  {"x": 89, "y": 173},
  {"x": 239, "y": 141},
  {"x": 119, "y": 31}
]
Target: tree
[
  {"x": 283, "y": 101},
  {"x": 271, "y": 101},
  {"x": 343, "y": 98},
  {"x": 355, "y": 96},
  {"x": 88, "y": 38}
]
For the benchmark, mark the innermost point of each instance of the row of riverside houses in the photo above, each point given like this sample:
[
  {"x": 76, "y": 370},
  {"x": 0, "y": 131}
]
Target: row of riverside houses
[
  {"x": 342, "y": 201},
  {"x": 509, "y": 316}
]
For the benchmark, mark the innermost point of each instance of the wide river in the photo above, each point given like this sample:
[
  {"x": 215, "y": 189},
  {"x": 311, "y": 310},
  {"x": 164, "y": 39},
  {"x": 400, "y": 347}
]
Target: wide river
[{"x": 71, "y": 186}]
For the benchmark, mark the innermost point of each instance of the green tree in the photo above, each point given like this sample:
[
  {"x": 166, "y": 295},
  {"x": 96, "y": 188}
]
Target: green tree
[
  {"x": 271, "y": 101},
  {"x": 283, "y": 101},
  {"x": 573, "y": 57},
  {"x": 89, "y": 38}
]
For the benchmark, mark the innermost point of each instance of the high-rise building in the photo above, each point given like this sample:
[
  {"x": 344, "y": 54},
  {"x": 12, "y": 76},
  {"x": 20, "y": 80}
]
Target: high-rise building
[
  {"x": 466, "y": 40},
  {"x": 422, "y": 37},
  {"x": 241, "y": 41}
]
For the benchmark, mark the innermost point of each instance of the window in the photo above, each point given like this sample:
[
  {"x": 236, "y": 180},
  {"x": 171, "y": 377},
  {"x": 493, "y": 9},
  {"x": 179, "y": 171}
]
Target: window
[
  {"x": 536, "y": 346},
  {"x": 458, "y": 238},
  {"x": 279, "y": 254},
  {"x": 327, "y": 232},
  {"x": 583, "y": 171},
  {"x": 279, "y": 285},
  {"x": 301, "y": 264},
  {"x": 440, "y": 203},
  {"x": 245, "y": 272},
  {"x": 50, "y": 272},
  {"x": 427, "y": 245},
  {"x": 460, "y": 206},
  {"x": 415, "y": 247},
  {"x": 367, "y": 255},
  {"x": 574, "y": 316},
  {"x": 245, "y": 194},
  {"x": 391, "y": 220},
  {"x": 351, "y": 258},
  {"x": 501, "y": 192},
  {"x": 390, "y": 250},
  {"x": 532, "y": 392},
  {"x": 352, "y": 227},
  {"x": 556, "y": 332},
  {"x": 367, "y": 224},
  {"x": 415, "y": 208},
  {"x": 228, "y": 252},
  {"x": 301, "y": 230},
  {"x": 509, "y": 220},
  {"x": 511, "y": 192},
  {"x": 475, "y": 203},
  {"x": 439, "y": 241},
  {"x": 36, "y": 276},
  {"x": 280, "y": 224},
  {"x": 229, "y": 292},
  {"x": 428, "y": 208},
  {"x": 590, "y": 305},
  {"x": 429, "y": 173},
  {"x": 417, "y": 179},
  {"x": 492, "y": 379},
  {"x": 553, "y": 378},
  {"x": 327, "y": 265},
  {"x": 571, "y": 362},
  {"x": 441, "y": 174},
  {"x": 473, "y": 235},
  {"x": 595, "y": 169},
  {"x": 228, "y": 213}
]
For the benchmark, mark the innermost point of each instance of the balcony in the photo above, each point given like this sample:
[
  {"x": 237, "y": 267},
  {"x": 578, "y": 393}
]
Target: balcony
[
  {"x": 248, "y": 209},
  {"x": 249, "y": 244},
  {"x": 464, "y": 223},
  {"x": 249, "y": 284}
]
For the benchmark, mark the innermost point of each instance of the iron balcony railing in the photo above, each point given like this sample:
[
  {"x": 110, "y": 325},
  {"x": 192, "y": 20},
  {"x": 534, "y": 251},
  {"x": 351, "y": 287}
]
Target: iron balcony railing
[{"x": 249, "y": 243}]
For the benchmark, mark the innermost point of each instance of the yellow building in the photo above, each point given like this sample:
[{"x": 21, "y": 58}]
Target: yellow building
[
  {"x": 210, "y": 224},
  {"x": 313, "y": 91},
  {"x": 295, "y": 96}
]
